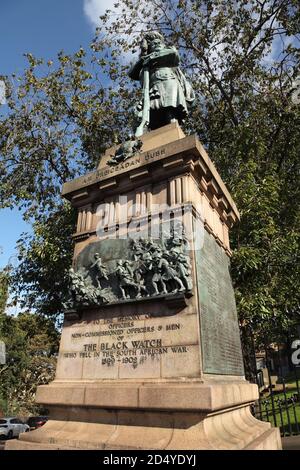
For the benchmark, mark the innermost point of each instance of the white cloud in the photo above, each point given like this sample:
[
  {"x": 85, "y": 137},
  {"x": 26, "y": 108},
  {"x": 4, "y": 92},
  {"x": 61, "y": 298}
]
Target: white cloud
[
  {"x": 95, "y": 8},
  {"x": 13, "y": 310}
]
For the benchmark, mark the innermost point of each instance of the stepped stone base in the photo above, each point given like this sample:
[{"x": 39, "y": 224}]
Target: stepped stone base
[{"x": 211, "y": 417}]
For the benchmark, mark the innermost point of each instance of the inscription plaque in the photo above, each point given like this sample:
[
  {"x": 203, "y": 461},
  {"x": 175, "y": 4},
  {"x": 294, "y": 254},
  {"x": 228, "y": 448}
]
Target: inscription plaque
[
  {"x": 220, "y": 338},
  {"x": 139, "y": 346},
  {"x": 152, "y": 338}
]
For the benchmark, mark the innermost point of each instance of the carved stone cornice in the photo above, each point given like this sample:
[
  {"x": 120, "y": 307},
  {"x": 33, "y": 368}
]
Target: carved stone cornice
[{"x": 186, "y": 155}]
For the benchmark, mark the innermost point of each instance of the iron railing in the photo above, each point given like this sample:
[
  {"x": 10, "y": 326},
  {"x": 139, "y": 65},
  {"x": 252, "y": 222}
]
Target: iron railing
[{"x": 280, "y": 405}]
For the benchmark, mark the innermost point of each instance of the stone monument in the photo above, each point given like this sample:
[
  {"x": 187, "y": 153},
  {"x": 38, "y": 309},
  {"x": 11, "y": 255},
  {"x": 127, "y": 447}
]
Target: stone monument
[{"x": 150, "y": 354}]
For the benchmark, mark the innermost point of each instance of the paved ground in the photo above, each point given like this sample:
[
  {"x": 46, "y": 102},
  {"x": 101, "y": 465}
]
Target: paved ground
[
  {"x": 291, "y": 443},
  {"x": 288, "y": 443}
]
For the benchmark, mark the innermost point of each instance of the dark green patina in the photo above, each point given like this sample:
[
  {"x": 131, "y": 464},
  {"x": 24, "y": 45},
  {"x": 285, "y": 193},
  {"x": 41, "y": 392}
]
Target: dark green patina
[
  {"x": 167, "y": 94},
  {"x": 116, "y": 270},
  {"x": 220, "y": 339}
]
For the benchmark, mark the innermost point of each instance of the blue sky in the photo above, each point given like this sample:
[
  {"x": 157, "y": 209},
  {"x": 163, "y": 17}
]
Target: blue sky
[{"x": 41, "y": 27}]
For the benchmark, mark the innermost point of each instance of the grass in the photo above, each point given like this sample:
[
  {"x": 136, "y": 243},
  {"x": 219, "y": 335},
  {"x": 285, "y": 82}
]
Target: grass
[
  {"x": 287, "y": 417},
  {"x": 287, "y": 420}
]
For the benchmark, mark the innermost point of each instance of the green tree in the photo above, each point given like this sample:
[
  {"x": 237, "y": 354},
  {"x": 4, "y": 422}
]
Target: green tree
[
  {"x": 60, "y": 119},
  {"x": 44, "y": 259},
  {"x": 31, "y": 347}
]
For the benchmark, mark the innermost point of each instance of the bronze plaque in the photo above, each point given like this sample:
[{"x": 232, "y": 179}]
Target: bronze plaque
[{"x": 220, "y": 338}]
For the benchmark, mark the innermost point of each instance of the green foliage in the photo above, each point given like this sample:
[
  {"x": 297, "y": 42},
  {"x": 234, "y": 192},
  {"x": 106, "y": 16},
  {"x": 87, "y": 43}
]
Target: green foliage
[
  {"x": 241, "y": 58},
  {"x": 60, "y": 120},
  {"x": 45, "y": 258},
  {"x": 31, "y": 347}
]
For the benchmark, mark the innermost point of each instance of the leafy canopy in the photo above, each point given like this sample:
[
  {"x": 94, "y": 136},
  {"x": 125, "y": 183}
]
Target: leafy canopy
[
  {"x": 31, "y": 348},
  {"x": 242, "y": 58}
]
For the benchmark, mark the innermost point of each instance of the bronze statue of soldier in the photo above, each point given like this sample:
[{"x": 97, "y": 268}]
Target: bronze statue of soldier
[{"x": 166, "y": 92}]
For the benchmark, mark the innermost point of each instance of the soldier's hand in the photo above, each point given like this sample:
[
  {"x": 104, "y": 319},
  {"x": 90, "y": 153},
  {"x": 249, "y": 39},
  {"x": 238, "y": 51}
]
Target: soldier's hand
[{"x": 150, "y": 57}]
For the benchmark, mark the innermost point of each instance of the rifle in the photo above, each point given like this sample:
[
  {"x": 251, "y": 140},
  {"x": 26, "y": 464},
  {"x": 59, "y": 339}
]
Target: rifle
[{"x": 146, "y": 104}]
